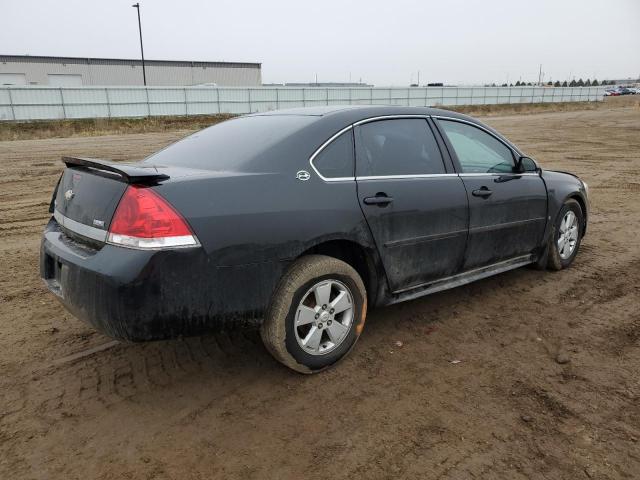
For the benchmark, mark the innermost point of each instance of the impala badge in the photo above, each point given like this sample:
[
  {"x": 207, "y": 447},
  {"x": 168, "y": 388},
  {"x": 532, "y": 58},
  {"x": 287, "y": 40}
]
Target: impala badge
[
  {"x": 69, "y": 194},
  {"x": 303, "y": 175}
]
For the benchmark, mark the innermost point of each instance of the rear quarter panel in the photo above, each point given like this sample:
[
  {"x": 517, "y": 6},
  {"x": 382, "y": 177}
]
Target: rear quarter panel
[
  {"x": 254, "y": 218},
  {"x": 253, "y": 226}
]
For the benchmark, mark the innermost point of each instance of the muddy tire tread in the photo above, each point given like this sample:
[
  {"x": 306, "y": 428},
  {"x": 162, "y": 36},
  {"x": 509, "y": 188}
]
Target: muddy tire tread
[{"x": 273, "y": 330}]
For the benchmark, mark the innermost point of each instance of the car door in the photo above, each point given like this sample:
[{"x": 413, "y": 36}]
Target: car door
[
  {"x": 507, "y": 209},
  {"x": 415, "y": 206}
]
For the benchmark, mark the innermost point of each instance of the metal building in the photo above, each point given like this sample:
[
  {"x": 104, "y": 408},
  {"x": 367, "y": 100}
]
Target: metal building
[{"x": 72, "y": 71}]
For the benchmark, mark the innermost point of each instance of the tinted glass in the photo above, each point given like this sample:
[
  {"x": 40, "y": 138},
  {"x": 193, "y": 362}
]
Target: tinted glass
[
  {"x": 336, "y": 159},
  {"x": 233, "y": 145},
  {"x": 528, "y": 165},
  {"x": 398, "y": 147},
  {"x": 477, "y": 151}
]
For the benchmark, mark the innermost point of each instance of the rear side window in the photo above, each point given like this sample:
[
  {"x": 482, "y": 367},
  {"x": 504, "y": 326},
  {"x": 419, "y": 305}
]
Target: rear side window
[
  {"x": 336, "y": 159},
  {"x": 477, "y": 151},
  {"x": 397, "y": 147}
]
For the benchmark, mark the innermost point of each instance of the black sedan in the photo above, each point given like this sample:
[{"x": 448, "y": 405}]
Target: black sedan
[{"x": 298, "y": 220}]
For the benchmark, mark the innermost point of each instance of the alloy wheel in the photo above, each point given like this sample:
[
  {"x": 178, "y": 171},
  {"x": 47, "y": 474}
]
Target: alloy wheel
[
  {"x": 568, "y": 235},
  {"x": 324, "y": 317}
]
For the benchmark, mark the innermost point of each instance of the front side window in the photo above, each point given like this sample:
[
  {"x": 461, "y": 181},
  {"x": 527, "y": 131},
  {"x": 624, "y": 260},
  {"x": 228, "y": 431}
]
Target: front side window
[
  {"x": 477, "y": 151},
  {"x": 397, "y": 147},
  {"x": 336, "y": 159}
]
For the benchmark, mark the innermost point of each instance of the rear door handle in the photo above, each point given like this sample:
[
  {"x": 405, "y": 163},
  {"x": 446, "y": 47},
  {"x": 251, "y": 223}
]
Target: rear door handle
[
  {"x": 380, "y": 199},
  {"x": 483, "y": 192}
]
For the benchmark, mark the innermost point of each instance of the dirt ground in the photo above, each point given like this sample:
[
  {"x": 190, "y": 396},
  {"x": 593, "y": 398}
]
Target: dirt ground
[{"x": 401, "y": 406}]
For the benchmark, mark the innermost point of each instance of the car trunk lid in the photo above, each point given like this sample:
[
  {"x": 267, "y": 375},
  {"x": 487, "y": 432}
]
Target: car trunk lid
[{"x": 89, "y": 191}]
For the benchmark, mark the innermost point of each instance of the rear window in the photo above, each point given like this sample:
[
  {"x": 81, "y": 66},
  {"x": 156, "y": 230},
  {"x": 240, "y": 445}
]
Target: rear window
[{"x": 233, "y": 145}]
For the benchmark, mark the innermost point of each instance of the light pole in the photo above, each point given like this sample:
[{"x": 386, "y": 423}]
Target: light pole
[{"x": 144, "y": 73}]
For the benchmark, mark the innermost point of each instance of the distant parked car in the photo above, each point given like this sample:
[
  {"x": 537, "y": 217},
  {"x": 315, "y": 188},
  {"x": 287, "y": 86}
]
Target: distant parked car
[
  {"x": 625, "y": 91},
  {"x": 611, "y": 92},
  {"x": 299, "y": 220}
]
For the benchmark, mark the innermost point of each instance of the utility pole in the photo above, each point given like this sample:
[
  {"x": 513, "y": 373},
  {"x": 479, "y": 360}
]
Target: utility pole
[
  {"x": 144, "y": 73},
  {"x": 540, "y": 76}
]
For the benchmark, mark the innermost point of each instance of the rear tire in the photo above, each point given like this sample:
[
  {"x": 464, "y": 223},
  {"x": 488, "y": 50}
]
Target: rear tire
[
  {"x": 316, "y": 314},
  {"x": 566, "y": 236}
]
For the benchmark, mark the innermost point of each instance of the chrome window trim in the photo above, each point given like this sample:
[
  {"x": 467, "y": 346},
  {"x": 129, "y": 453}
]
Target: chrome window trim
[
  {"x": 350, "y": 127},
  {"x": 438, "y": 175},
  {"x": 335, "y": 179},
  {"x": 496, "y": 174},
  {"x": 321, "y": 148},
  {"x": 399, "y": 177},
  {"x": 80, "y": 228},
  {"x": 391, "y": 177}
]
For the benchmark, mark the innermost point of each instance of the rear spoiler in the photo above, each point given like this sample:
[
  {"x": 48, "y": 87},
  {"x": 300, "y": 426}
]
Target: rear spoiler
[{"x": 128, "y": 173}]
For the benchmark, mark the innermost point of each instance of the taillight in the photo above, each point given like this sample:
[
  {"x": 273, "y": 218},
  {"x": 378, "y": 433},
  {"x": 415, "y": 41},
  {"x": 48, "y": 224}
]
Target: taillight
[{"x": 144, "y": 219}]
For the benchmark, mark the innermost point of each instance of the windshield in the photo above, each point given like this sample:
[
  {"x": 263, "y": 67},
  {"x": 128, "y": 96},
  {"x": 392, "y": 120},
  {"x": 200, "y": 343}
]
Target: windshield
[{"x": 234, "y": 145}]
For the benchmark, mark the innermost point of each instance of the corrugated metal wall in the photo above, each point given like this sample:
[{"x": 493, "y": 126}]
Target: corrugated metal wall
[
  {"x": 34, "y": 103},
  {"x": 108, "y": 72}
]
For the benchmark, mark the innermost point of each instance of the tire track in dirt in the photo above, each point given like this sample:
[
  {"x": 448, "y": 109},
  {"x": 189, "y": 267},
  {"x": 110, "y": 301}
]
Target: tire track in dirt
[{"x": 127, "y": 370}]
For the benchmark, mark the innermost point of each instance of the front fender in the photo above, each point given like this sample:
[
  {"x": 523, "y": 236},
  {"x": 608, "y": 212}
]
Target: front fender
[{"x": 562, "y": 186}]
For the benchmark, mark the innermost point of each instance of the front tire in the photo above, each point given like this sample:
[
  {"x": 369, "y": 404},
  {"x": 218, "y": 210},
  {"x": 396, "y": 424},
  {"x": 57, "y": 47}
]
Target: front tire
[
  {"x": 566, "y": 236},
  {"x": 316, "y": 314}
]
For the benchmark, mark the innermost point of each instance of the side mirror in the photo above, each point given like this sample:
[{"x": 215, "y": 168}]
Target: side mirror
[{"x": 526, "y": 165}]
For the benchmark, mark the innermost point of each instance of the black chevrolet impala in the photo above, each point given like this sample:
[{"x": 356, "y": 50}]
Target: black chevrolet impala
[{"x": 298, "y": 220}]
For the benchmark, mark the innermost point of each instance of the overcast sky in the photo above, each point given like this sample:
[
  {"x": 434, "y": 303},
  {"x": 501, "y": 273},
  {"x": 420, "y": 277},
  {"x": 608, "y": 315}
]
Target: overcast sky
[{"x": 384, "y": 42}]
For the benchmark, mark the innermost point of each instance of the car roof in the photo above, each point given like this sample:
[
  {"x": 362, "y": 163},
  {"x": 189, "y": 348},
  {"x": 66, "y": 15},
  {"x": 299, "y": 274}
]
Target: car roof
[
  {"x": 308, "y": 111},
  {"x": 354, "y": 113},
  {"x": 328, "y": 120}
]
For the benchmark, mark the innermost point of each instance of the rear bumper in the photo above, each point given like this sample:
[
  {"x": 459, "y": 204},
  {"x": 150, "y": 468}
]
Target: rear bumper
[{"x": 138, "y": 295}]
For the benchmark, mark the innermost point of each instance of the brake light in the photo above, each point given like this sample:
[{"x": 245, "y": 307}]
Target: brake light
[{"x": 144, "y": 219}]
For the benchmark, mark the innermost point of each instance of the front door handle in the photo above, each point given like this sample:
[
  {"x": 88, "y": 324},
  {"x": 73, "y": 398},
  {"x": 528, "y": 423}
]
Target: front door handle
[
  {"x": 381, "y": 199},
  {"x": 483, "y": 192}
]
